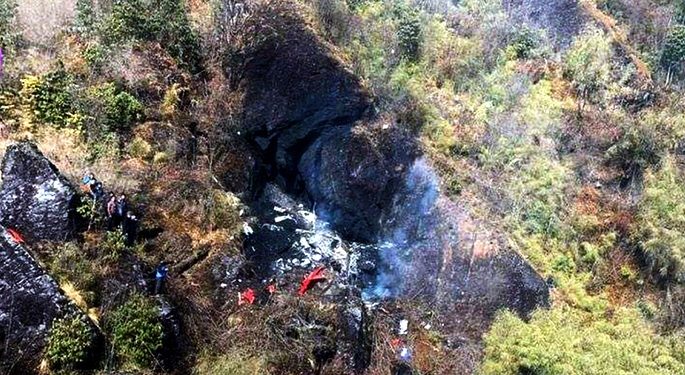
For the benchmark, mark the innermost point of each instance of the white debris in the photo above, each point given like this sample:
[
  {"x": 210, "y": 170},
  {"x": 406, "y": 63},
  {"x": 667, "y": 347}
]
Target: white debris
[
  {"x": 404, "y": 326},
  {"x": 223, "y": 285},
  {"x": 427, "y": 326},
  {"x": 247, "y": 229},
  {"x": 279, "y": 209},
  {"x": 278, "y": 219},
  {"x": 316, "y": 257},
  {"x": 309, "y": 217},
  {"x": 304, "y": 243}
]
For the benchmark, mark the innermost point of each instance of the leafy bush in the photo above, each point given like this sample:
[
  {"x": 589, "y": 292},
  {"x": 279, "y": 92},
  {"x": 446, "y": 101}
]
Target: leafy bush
[
  {"x": 524, "y": 44},
  {"x": 7, "y": 13},
  {"x": 115, "y": 108},
  {"x": 660, "y": 225},
  {"x": 645, "y": 140},
  {"x": 674, "y": 48},
  {"x": 409, "y": 34},
  {"x": 113, "y": 245},
  {"x": 48, "y": 98},
  {"x": 86, "y": 17},
  {"x": 71, "y": 264},
  {"x": 587, "y": 63},
  {"x": 567, "y": 341},
  {"x": 136, "y": 332},
  {"x": 69, "y": 342},
  {"x": 162, "y": 21}
]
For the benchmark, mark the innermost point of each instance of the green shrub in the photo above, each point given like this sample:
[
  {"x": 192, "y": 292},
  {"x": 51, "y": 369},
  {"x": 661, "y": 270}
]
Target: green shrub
[
  {"x": 566, "y": 341},
  {"x": 48, "y": 97},
  {"x": 116, "y": 109},
  {"x": 588, "y": 65},
  {"x": 94, "y": 55},
  {"x": 69, "y": 343},
  {"x": 524, "y": 44},
  {"x": 71, "y": 264},
  {"x": 113, "y": 245},
  {"x": 645, "y": 140},
  {"x": 674, "y": 48},
  {"x": 136, "y": 332},
  {"x": 660, "y": 225},
  {"x": 7, "y": 12},
  {"x": 84, "y": 22},
  {"x": 409, "y": 34},
  {"x": 162, "y": 21}
]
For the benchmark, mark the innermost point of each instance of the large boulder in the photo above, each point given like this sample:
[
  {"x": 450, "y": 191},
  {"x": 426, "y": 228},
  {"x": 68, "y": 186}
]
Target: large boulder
[
  {"x": 294, "y": 88},
  {"x": 353, "y": 175},
  {"x": 35, "y": 199},
  {"x": 30, "y": 300}
]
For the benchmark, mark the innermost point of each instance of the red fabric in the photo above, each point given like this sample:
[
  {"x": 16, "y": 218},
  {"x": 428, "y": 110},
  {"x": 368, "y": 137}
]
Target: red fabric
[
  {"x": 396, "y": 343},
  {"x": 311, "y": 279},
  {"x": 15, "y": 235},
  {"x": 271, "y": 288},
  {"x": 247, "y": 296}
]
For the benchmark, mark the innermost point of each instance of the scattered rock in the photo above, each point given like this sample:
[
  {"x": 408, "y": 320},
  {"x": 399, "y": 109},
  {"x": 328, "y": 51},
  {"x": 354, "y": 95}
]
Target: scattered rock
[{"x": 35, "y": 199}]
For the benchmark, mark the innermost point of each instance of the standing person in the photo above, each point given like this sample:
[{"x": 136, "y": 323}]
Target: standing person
[
  {"x": 112, "y": 216},
  {"x": 87, "y": 183},
  {"x": 160, "y": 277},
  {"x": 130, "y": 228},
  {"x": 122, "y": 207}
]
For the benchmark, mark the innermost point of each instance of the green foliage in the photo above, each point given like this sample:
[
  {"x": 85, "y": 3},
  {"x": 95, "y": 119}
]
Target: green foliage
[
  {"x": 69, "y": 342},
  {"x": 674, "y": 47},
  {"x": 48, "y": 98},
  {"x": 409, "y": 34},
  {"x": 524, "y": 44},
  {"x": 162, "y": 21},
  {"x": 565, "y": 341},
  {"x": 116, "y": 109},
  {"x": 587, "y": 63},
  {"x": 86, "y": 18},
  {"x": 234, "y": 363},
  {"x": 645, "y": 140},
  {"x": 136, "y": 332},
  {"x": 7, "y": 12},
  {"x": 113, "y": 245},
  {"x": 660, "y": 226},
  {"x": 94, "y": 55},
  {"x": 71, "y": 264}
]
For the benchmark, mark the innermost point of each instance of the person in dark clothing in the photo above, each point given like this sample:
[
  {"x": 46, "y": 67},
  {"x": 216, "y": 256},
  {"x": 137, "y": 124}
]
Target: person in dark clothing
[
  {"x": 97, "y": 191},
  {"x": 122, "y": 206},
  {"x": 130, "y": 228},
  {"x": 112, "y": 217},
  {"x": 160, "y": 277}
]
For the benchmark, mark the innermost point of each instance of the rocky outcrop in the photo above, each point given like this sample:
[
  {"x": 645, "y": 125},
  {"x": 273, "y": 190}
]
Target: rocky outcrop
[
  {"x": 294, "y": 88},
  {"x": 353, "y": 176},
  {"x": 35, "y": 199},
  {"x": 29, "y": 302}
]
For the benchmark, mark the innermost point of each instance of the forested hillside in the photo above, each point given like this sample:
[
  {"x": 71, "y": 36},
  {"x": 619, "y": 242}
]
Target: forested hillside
[{"x": 342, "y": 187}]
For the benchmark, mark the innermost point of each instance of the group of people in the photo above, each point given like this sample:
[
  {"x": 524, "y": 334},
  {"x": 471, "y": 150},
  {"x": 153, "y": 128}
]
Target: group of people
[
  {"x": 119, "y": 216},
  {"x": 116, "y": 208}
]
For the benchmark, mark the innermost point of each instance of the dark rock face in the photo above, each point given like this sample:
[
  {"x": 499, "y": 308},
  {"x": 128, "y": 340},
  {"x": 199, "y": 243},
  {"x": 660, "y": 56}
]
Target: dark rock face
[
  {"x": 294, "y": 88},
  {"x": 353, "y": 176},
  {"x": 29, "y": 302},
  {"x": 34, "y": 198}
]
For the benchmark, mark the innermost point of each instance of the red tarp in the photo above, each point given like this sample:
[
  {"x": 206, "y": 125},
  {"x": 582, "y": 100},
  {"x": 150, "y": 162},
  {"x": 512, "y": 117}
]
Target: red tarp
[
  {"x": 271, "y": 288},
  {"x": 311, "y": 279},
  {"x": 247, "y": 296},
  {"x": 15, "y": 235}
]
